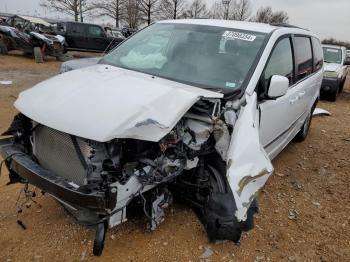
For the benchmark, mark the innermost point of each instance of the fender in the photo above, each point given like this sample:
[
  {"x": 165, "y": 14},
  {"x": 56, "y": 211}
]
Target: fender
[{"x": 248, "y": 166}]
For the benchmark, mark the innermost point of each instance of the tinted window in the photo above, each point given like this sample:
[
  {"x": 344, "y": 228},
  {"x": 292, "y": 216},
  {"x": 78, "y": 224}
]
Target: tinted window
[
  {"x": 303, "y": 53},
  {"x": 318, "y": 54},
  {"x": 77, "y": 29},
  {"x": 95, "y": 31},
  {"x": 281, "y": 62}
]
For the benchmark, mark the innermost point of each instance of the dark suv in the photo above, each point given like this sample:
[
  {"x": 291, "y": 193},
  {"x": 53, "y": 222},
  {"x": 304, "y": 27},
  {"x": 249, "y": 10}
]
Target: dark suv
[{"x": 86, "y": 37}]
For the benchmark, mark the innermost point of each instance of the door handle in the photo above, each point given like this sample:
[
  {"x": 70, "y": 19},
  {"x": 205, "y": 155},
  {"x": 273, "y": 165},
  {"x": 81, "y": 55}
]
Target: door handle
[
  {"x": 301, "y": 94},
  {"x": 293, "y": 100}
]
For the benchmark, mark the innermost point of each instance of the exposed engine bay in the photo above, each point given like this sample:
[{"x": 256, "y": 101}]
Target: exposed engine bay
[{"x": 189, "y": 163}]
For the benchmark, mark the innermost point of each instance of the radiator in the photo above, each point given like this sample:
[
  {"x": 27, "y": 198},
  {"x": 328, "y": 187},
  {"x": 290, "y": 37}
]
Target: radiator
[{"x": 55, "y": 151}]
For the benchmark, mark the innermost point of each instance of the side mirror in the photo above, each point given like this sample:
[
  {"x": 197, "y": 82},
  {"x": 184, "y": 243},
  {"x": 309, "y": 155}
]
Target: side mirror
[
  {"x": 347, "y": 62},
  {"x": 278, "y": 86}
]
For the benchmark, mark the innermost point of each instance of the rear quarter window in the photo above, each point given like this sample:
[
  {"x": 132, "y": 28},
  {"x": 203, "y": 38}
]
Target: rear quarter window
[
  {"x": 318, "y": 54},
  {"x": 303, "y": 56}
]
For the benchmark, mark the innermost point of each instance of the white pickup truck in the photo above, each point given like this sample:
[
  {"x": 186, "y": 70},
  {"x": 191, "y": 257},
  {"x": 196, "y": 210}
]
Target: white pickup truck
[{"x": 335, "y": 71}]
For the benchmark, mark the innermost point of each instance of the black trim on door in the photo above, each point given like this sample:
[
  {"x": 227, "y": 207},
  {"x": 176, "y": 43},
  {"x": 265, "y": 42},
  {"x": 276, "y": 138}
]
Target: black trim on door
[{"x": 284, "y": 132}]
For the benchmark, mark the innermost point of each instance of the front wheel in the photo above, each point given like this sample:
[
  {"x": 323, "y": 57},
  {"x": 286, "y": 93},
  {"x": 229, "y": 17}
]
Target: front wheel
[
  {"x": 38, "y": 55},
  {"x": 341, "y": 88},
  {"x": 215, "y": 203},
  {"x": 3, "y": 48}
]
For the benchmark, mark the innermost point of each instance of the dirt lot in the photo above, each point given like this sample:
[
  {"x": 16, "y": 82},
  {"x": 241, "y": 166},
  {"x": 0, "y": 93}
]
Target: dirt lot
[{"x": 304, "y": 208}]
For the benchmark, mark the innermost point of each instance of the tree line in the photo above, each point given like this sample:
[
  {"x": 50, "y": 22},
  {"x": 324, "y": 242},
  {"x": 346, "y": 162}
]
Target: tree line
[
  {"x": 134, "y": 13},
  {"x": 332, "y": 41}
]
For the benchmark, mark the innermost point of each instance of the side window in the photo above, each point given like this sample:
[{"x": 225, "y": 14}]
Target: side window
[
  {"x": 77, "y": 29},
  {"x": 303, "y": 54},
  {"x": 318, "y": 54},
  {"x": 95, "y": 31},
  {"x": 280, "y": 63}
]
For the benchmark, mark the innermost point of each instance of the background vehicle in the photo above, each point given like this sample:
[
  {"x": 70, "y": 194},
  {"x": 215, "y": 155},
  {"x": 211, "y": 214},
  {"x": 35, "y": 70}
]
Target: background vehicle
[
  {"x": 39, "y": 45},
  {"x": 154, "y": 119},
  {"x": 29, "y": 24},
  {"x": 335, "y": 72},
  {"x": 87, "y": 37},
  {"x": 127, "y": 32},
  {"x": 114, "y": 32},
  {"x": 78, "y": 63}
]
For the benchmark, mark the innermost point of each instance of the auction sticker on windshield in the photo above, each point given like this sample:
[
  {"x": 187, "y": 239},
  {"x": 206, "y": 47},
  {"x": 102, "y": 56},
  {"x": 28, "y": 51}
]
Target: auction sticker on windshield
[{"x": 238, "y": 35}]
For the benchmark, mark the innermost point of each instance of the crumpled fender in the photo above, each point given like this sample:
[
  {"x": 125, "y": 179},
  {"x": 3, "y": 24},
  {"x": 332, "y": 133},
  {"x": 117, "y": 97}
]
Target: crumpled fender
[{"x": 248, "y": 166}]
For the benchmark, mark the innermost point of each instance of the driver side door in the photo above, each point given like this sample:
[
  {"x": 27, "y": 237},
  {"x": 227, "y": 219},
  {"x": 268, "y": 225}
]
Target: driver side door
[{"x": 278, "y": 116}]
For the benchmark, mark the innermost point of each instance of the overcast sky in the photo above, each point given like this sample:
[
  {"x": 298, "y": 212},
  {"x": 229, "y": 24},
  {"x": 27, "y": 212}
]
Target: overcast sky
[{"x": 324, "y": 17}]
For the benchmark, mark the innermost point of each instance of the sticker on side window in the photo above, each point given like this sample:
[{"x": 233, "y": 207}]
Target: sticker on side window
[{"x": 239, "y": 36}]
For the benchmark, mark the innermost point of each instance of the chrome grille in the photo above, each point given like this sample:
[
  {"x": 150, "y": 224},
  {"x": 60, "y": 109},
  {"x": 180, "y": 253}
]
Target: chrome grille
[{"x": 55, "y": 151}]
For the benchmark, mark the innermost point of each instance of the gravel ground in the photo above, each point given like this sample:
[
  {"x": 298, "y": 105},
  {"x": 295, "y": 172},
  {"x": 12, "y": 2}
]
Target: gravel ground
[{"x": 304, "y": 208}]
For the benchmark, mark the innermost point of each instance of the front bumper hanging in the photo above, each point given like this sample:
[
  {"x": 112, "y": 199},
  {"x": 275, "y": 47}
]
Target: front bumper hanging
[{"x": 29, "y": 171}]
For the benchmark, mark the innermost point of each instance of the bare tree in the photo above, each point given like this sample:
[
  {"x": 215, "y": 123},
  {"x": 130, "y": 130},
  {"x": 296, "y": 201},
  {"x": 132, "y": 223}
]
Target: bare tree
[
  {"x": 198, "y": 9},
  {"x": 217, "y": 10},
  {"x": 231, "y": 10},
  {"x": 69, "y": 7},
  {"x": 268, "y": 16},
  {"x": 114, "y": 9},
  {"x": 133, "y": 13},
  {"x": 148, "y": 8},
  {"x": 171, "y": 9},
  {"x": 333, "y": 41},
  {"x": 240, "y": 10}
]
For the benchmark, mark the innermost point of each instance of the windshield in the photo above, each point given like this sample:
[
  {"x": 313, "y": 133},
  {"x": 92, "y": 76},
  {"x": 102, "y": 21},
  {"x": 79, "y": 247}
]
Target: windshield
[
  {"x": 332, "y": 55},
  {"x": 203, "y": 56}
]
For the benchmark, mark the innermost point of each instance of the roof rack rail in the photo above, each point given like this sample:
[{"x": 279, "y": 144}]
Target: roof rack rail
[{"x": 286, "y": 25}]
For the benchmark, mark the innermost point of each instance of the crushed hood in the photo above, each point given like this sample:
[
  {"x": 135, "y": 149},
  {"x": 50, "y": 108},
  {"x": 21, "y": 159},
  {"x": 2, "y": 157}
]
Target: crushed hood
[
  {"x": 103, "y": 102},
  {"x": 332, "y": 67}
]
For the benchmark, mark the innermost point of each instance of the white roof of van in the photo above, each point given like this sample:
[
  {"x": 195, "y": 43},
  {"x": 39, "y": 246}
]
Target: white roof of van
[{"x": 257, "y": 27}]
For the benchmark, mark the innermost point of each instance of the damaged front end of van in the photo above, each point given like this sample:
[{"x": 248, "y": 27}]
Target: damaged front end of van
[{"x": 174, "y": 141}]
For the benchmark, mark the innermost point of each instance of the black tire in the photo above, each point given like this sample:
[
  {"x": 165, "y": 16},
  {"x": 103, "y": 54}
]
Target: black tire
[
  {"x": 38, "y": 55},
  {"x": 3, "y": 48},
  {"x": 218, "y": 212},
  {"x": 61, "y": 58},
  {"x": 99, "y": 241},
  {"x": 341, "y": 87},
  {"x": 60, "y": 55},
  {"x": 304, "y": 131},
  {"x": 332, "y": 97}
]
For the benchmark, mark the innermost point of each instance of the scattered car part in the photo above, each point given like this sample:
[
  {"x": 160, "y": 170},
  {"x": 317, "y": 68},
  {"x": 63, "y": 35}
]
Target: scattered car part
[{"x": 320, "y": 111}]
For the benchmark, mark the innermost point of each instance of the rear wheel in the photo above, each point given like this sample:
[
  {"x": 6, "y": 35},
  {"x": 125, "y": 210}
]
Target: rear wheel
[
  {"x": 332, "y": 97},
  {"x": 304, "y": 131},
  {"x": 38, "y": 55},
  {"x": 341, "y": 88},
  {"x": 3, "y": 48},
  {"x": 60, "y": 55}
]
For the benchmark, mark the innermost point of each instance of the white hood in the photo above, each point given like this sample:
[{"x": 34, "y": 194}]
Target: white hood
[
  {"x": 103, "y": 102},
  {"x": 332, "y": 67}
]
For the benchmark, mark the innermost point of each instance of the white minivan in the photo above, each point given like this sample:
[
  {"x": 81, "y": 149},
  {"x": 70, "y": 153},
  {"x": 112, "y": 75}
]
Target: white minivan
[{"x": 194, "y": 109}]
